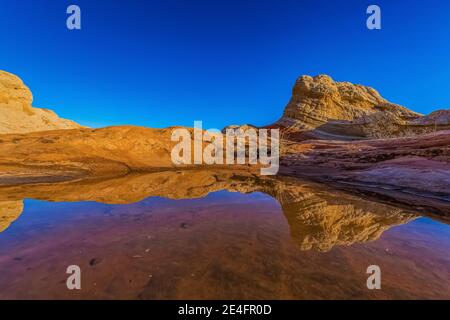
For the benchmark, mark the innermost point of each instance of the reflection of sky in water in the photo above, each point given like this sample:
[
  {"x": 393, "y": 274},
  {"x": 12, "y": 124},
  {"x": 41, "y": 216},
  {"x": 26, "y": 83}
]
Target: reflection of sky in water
[
  {"x": 426, "y": 227},
  {"x": 43, "y": 215}
]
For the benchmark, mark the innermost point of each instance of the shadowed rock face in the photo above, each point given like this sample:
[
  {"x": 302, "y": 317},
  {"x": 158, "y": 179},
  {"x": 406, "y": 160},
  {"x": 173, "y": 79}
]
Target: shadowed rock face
[
  {"x": 436, "y": 118},
  {"x": 414, "y": 169},
  {"x": 318, "y": 219},
  {"x": 17, "y": 115}
]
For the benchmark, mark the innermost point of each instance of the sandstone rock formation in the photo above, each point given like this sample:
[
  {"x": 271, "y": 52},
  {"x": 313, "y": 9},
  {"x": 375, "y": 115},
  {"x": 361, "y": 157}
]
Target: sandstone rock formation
[
  {"x": 414, "y": 166},
  {"x": 243, "y": 127},
  {"x": 415, "y": 169},
  {"x": 61, "y": 155},
  {"x": 437, "y": 118},
  {"x": 326, "y": 109},
  {"x": 77, "y": 153},
  {"x": 17, "y": 115},
  {"x": 316, "y": 100}
]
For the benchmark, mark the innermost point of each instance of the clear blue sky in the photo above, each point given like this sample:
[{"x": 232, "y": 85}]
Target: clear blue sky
[{"x": 164, "y": 62}]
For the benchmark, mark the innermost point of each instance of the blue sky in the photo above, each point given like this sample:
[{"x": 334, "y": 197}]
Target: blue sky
[{"x": 164, "y": 62}]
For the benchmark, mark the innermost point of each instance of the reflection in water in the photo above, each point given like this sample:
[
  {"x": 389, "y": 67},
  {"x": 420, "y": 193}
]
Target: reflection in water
[
  {"x": 318, "y": 218},
  {"x": 135, "y": 243},
  {"x": 9, "y": 212}
]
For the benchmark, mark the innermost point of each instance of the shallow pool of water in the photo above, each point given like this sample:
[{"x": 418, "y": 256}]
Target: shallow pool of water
[{"x": 225, "y": 245}]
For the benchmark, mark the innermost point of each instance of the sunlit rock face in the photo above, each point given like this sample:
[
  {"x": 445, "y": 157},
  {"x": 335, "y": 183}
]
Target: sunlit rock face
[
  {"x": 9, "y": 212},
  {"x": 61, "y": 155},
  {"x": 318, "y": 99},
  {"x": 328, "y": 109},
  {"x": 17, "y": 115}
]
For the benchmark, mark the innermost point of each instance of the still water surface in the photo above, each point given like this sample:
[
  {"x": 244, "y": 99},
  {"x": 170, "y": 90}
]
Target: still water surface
[{"x": 294, "y": 242}]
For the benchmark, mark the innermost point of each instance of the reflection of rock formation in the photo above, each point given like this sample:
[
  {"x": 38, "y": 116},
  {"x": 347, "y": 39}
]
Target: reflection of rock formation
[
  {"x": 318, "y": 219},
  {"x": 9, "y": 212},
  {"x": 320, "y": 108},
  {"x": 413, "y": 169},
  {"x": 321, "y": 223},
  {"x": 180, "y": 184},
  {"x": 62, "y": 155}
]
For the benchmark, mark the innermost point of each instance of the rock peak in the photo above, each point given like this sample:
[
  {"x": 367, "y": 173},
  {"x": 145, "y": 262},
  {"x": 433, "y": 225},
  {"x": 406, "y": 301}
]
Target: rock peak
[
  {"x": 342, "y": 109},
  {"x": 17, "y": 115},
  {"x": 318, "y": 99}
]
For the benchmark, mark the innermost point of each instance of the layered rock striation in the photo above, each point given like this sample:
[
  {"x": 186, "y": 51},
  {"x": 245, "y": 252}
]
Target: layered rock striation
[{"x": 327, "y": 109}]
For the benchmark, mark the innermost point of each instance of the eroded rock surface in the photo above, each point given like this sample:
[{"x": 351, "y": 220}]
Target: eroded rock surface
[
  {"x": 17, "y": 115},
  {"x": 322, "y": 108},
  {"x": 78, "y": 153},
  {"x": 416, "y": 169}
]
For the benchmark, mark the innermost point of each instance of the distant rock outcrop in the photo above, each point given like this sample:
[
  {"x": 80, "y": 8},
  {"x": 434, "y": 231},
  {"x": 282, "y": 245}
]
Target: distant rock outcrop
[
  {"x": 438, "y": 118},
  {"x": 316, "y": 100},
  {"x": 243, "y": 127},
  {"x": 338, "y": 110},
  {"x": 17, "y": 115}
]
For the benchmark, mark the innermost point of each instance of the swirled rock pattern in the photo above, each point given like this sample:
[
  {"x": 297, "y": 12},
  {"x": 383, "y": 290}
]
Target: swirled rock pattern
[{"x": 326, "y": 109}]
